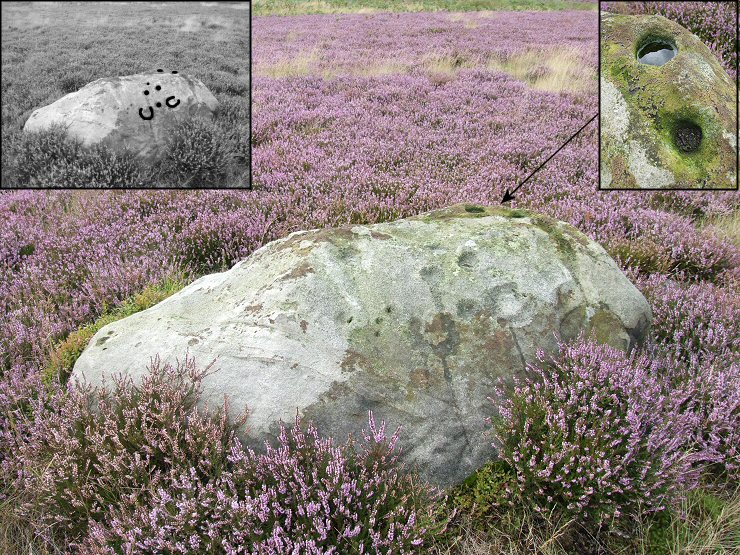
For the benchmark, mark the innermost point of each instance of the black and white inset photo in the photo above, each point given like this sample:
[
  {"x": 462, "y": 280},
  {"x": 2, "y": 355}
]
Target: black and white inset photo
[{"x": 125, "y": 95}]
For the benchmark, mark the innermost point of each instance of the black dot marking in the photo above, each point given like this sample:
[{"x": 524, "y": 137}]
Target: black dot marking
[
  {"x": 174, "y": 72},
  {"x": 159, "y": 104},
  {"x": 147, "y": 83},
  {"x": 146, "y": 92},
  {"x": 158, "y": 88},
  {"x": 160, "y": 70}
]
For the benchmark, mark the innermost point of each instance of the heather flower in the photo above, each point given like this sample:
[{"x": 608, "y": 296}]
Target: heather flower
[
  {"x": 197, "y": 154},
  {"x": 698, "y": 324},
  {"x": 139, "y": 467},
  {"x": 710, "y": 397},
  {"x": 596, "y": 431},
  {"x": 96, "y": 448},
  {"x": 52, "y": 159}
]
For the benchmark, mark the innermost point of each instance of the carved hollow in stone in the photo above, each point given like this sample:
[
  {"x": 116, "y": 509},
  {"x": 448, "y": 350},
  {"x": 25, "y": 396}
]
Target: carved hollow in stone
[
  {"x": 656, "y": 52},
  {"x": 151, "y": 113}
]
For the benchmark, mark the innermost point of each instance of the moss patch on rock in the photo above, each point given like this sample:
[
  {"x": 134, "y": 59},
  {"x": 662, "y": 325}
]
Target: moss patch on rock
[{"x": 65, "y": 353}]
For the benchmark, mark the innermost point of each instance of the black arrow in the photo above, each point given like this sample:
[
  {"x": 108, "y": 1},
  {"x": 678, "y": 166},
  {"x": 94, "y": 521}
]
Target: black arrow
[{"x": 508, "y": 195}]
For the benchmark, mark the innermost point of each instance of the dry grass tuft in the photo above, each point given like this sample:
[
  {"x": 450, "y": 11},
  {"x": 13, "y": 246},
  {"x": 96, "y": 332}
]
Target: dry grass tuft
[
  {"x": 447, "y": 64},
  {"x": 300, "y": 66},
  {"x": 727, "y": 225},
  {"x": 385, "y": 68},
  {"x": 443, "y": 68},
  {"x": 560, "y": 70},
  {"x": 369, "y": 70},
  {"x": 467, "y": 19},
  {"x": 714, "y": 527},
  {"x": 514, "y": 532},
  {"x": 306, "y": 64}
]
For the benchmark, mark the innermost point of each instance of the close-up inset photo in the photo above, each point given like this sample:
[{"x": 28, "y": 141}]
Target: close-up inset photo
[
  {"x": 668, "y": 95},
  {"x": 125, "y": 95}
]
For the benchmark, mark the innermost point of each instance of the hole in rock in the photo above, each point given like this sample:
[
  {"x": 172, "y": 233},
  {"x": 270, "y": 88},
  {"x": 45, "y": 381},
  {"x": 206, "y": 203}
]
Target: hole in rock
[
  {"x": 160, "y": 70},
  {"x": 158, "y": 88},
  {"x": 174, "y": 72},
  {"x": 687, "y": 136},
  {"x": 656, "y": 52},
  {"x": 146, "y": 92}
]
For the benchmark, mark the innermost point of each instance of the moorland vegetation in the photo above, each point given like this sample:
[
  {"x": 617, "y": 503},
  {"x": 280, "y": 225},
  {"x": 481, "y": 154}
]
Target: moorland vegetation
[{"x": 601, "y": 452}]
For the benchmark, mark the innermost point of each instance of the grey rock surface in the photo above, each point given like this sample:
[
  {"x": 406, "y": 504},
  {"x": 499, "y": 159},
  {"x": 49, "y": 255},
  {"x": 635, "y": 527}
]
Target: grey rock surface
[
  {"x": 134, "y": 112},
  {"x": 414, "y": 320}
]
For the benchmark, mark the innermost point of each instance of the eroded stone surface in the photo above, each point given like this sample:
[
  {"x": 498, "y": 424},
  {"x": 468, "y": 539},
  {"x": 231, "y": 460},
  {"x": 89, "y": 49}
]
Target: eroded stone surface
[
  {"x": 134, "y": 111},
  {"x": 668, "y": 121},
  {"x": 414, "y": 320}
]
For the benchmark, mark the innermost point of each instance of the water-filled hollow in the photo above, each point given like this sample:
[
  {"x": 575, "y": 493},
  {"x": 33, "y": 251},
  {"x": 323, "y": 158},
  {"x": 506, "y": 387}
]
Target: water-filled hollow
[{"x": 656, "y": 52}]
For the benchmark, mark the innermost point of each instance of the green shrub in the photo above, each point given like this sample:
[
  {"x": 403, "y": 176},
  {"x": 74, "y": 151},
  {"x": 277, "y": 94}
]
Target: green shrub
[
  {"x": 484, "y": 492},
  {"x": 197, "y": 154},
  {"x": 51, "y": 158},
  {"x": 38, "y": 152}
]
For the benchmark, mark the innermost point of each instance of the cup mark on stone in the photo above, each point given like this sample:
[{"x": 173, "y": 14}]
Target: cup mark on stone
[
  {"x": 687, "y": 137},
  {"x": 467, "y": 259},
  {"x": 473, "y": 209}
]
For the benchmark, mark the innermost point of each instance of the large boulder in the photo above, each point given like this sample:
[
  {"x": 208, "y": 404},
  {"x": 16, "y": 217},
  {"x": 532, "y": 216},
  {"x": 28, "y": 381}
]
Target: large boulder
[
  {"x": 668, "y": 109},
  {"x": 134, "y": 112},
  {"x": 414, "y": 320}
]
